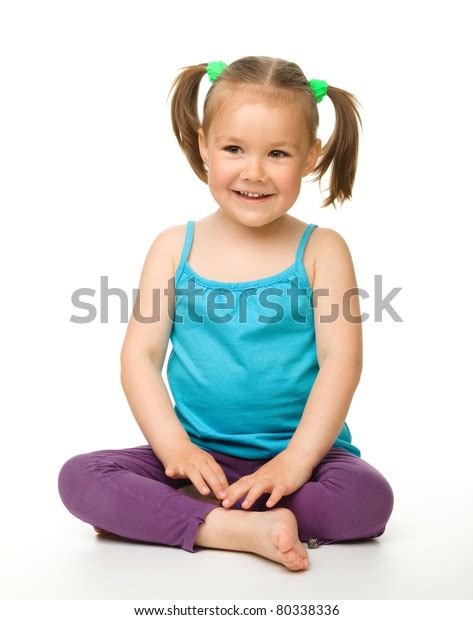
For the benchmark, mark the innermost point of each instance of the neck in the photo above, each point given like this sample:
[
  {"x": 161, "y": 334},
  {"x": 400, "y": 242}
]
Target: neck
[{"x": 251, "y": 232}]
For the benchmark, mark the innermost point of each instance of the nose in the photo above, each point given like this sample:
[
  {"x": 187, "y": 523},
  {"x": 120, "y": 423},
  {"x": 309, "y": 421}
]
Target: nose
[{"x": 253, "y": 170}]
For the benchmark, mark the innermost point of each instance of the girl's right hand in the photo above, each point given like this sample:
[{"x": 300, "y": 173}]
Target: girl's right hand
[{"x": 186, "y": 460}]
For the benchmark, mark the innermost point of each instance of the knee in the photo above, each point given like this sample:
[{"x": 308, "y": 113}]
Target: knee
[
  {"x": 378, "y": 498},
  {"x": 72, "y": 480},
  {"x": 383, "y": 511},
  {"x": 368, "y": 501}
]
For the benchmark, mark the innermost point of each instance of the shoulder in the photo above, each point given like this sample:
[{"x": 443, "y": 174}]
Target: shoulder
[
  {"x": 327, "y": 246},
  {"x": 169, "y": 242},
  {"x": 326, "y": 239}
]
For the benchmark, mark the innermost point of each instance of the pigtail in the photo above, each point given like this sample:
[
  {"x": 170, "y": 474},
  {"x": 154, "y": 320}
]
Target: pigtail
[
  {"x": 185, "y": 117},
  {"x": 342, "y": 148}
]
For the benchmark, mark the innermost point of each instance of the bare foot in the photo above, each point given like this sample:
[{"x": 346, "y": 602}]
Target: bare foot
[
  {"x": 106, "y": 534},
  {"x": 275, "y": 536},
  {"x": 272, "y": 534}
]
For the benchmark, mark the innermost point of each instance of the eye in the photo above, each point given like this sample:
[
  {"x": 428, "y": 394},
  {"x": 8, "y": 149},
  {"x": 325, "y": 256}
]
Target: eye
[
  {"x": 285, "y": 154},
  {"x": 233, "y": 146}
]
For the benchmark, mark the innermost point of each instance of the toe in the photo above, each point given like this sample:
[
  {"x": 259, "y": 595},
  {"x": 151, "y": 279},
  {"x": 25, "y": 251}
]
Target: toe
[
  {"x": 301, "y": 550},
  {"x": 290, "y": 556},
  {"x": 290, "y": 565},
  {"x": 285, "y": 541},
  {"x": 297, "y": 564},
  {"x": 294, "y": 561}
]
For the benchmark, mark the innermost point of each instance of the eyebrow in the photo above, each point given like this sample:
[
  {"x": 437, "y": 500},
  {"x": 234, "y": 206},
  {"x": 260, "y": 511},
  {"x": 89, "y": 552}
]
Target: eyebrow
[{"x": 233, "y": 139}]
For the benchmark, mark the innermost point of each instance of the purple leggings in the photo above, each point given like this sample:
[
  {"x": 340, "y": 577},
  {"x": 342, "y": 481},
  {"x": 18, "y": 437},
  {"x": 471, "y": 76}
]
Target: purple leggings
[{"x": 127, "y": 493}]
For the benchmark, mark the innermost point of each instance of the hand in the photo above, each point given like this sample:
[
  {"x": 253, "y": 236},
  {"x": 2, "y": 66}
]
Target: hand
[
  {"x": 280, "y": 476},
  {"x": 186, "y": 460}
]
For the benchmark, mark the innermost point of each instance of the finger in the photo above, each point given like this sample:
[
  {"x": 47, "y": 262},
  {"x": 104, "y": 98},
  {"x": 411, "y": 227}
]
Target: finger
[
  {"x": 194, "y": 475},
  {"x": 211, "y": 478},
  {"x": 275, "y": 496},
  {"x": 173, "y": 471},
  {"x": 237, "y": 490},
  {"x": 223, "y": 479},
  {"x": 255, "y": 492},
  {"x": 229, "y": 489}
]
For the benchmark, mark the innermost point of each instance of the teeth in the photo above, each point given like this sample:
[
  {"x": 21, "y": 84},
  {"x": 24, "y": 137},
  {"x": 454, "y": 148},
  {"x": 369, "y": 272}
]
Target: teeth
[{"x": 252, "y": 195}]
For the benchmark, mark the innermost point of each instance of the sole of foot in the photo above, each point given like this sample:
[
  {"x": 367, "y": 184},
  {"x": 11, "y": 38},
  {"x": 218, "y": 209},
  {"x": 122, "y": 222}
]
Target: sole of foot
[{"x": 274, "y": 535}]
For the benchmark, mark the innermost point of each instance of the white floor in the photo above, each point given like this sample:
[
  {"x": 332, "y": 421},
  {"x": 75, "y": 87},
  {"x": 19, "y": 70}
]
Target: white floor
[{"x": 426, "y": 552}]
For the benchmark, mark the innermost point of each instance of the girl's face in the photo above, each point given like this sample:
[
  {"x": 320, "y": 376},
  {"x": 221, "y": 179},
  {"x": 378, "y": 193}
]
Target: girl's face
[{"x": 257, "y": 148}]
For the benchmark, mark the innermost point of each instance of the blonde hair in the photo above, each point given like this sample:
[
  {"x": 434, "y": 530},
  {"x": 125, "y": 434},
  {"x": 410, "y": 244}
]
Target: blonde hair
[{"x": 271, "y": 81}]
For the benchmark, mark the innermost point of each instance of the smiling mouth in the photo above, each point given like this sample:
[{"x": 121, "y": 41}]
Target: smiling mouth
[{"x": 251, "y": 198}]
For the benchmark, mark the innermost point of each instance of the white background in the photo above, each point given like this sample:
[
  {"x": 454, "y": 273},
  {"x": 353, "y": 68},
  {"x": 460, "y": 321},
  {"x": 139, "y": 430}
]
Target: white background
[{"x": 91, "y": 172}]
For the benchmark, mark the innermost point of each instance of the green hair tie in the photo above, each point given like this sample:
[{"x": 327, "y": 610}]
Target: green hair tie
[
  {"x": 319, "y": 88},
  {"x": 214, "y": 69}
]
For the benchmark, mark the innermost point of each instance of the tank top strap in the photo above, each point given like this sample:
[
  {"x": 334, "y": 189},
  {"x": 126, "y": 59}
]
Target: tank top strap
[
  {"x": 303, "y": 242},
  {"x": 185, "y": 250},
  {"x": 300, "y": 254}
]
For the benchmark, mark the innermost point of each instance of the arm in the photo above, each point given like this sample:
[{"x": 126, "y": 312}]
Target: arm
[
  {"x": 145, "y": 345},
  {"x": 339, "y": 349}
]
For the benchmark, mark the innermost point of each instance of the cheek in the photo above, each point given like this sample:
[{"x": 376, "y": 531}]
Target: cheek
[
  {"x": 217, "y": 176},
  {"x": 221, "y": 172},
  {"x": 288, "y": 179}
]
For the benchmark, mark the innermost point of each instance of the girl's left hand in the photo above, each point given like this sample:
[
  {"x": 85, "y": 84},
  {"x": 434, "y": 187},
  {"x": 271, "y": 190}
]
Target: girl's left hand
[{"x": 280, "y": 476}]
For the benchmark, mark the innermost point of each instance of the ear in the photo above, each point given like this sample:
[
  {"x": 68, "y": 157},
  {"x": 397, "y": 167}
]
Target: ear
[
  {"x": 312, "y": 156},
  {"x": 203, "y": 148}
]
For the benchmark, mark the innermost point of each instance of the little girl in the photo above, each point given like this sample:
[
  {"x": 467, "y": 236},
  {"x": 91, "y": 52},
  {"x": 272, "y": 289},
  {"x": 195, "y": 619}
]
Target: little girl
[{"x": 262, "y": 386}]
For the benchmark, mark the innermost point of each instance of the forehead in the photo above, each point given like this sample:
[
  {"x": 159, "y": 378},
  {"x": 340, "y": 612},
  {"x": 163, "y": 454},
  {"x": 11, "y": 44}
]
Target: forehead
[{"x": 256, "y": 121}]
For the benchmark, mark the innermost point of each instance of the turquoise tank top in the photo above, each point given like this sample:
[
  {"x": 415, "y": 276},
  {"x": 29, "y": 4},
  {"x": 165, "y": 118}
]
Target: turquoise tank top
[{"x": 244, "y": 358}]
